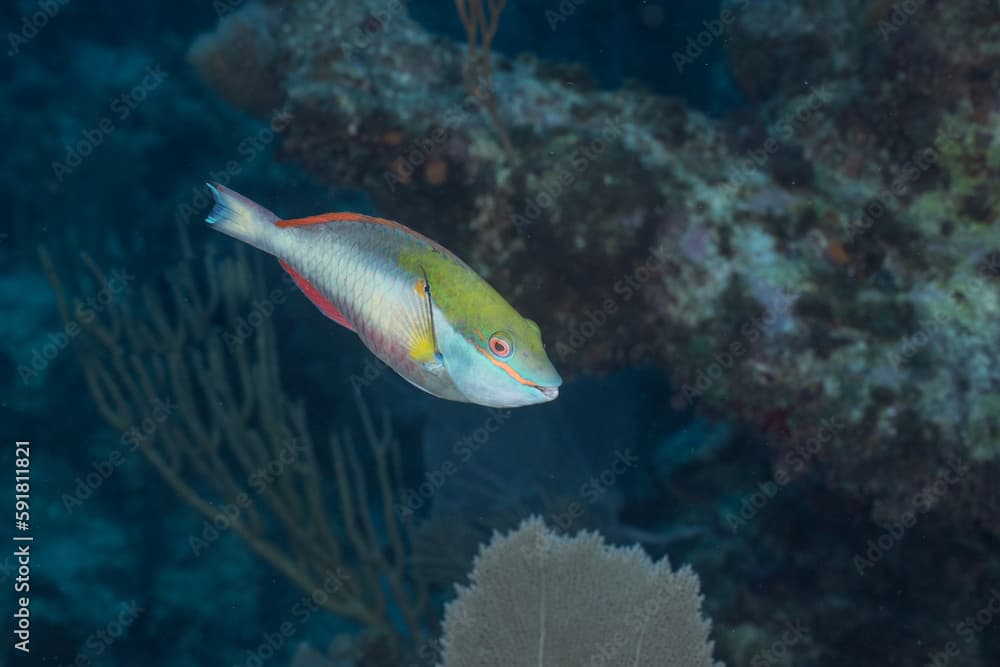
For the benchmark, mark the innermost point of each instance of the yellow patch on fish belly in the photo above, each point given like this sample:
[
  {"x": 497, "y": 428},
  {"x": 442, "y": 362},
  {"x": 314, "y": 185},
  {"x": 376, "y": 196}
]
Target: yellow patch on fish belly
[
  {"x": 423, "y": 350},
  {"x": 418, "y": 322},
  {"x": 423, "y": 347}
]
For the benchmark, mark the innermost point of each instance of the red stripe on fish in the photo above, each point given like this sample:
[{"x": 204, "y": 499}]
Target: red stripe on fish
[
  {"x": 320, "y": 301},
  {"x": 335, "y": 217},
  {"x": 354, "y": 217}
]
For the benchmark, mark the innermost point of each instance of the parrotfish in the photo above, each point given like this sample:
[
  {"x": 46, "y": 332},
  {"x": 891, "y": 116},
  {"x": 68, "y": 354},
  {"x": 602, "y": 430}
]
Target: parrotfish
[{"x": 419, "y": 308}]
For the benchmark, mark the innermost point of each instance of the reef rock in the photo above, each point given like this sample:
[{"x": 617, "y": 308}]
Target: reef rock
[{"x": 825, "y": 267}]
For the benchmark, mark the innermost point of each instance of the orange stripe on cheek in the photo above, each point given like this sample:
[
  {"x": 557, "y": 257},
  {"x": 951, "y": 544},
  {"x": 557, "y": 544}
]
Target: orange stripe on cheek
[{"x": 505, "y": 366}]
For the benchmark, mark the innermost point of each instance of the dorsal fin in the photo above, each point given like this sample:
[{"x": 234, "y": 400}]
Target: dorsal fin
[
  {"x": 356, "y": 217},
  {"x": 316, "y": 297},
  {"x": 336, "y": 217}
]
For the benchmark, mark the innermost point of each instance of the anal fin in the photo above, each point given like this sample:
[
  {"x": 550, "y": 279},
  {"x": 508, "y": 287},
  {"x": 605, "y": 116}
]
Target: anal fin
[{"x": 317, "y": 297}]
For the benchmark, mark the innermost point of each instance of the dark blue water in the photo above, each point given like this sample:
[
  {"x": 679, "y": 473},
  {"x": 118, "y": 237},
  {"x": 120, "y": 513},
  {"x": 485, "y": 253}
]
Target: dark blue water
[{"x": 759, "y": 240}]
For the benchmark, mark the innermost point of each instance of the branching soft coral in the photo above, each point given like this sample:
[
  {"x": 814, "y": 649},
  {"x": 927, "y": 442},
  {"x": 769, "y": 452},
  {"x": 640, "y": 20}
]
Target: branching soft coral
[{"x": 239, "y": 451}]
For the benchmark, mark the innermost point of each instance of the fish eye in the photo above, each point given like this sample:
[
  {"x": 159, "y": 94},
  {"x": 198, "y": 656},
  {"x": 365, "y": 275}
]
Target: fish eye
[{"x": 500, "y": 345}]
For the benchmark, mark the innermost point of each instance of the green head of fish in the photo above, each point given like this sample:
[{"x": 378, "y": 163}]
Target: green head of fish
[
  {"x": 499, "y": 361},
  {"x": 494, "y": 356}
]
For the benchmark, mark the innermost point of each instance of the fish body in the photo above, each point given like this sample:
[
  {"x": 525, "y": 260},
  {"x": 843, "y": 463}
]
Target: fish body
[{"x": 414, "y": 304}]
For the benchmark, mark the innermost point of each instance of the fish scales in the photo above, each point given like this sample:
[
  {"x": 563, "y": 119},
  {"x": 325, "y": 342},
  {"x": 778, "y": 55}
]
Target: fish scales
[
  {"x": 354, "y": 265},
  {"x": 415, "y": 305}
]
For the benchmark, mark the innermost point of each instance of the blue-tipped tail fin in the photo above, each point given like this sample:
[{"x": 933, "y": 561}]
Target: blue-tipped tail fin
[{"x": 239, "y": 217}]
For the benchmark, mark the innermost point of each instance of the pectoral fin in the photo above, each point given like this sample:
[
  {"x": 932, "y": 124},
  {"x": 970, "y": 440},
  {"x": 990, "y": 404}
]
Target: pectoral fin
[{"x": 418, "y": 327}]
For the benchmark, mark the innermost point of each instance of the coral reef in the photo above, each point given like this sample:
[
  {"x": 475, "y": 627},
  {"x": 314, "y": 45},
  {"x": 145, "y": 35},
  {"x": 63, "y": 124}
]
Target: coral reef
[
  {"x": 826, "y": 261},
  {"x": 806, "y": 242},
  {"x": 891, "y": 329}
]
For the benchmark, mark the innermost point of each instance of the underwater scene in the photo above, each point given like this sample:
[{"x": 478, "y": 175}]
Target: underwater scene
[{"x": 500, "y": 333}]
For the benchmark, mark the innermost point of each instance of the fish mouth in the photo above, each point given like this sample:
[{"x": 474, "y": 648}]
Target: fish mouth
[{"x": 548, "y": 392}]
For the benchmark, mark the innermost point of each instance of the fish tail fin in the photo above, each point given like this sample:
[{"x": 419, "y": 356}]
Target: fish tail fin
[{"x": 239, "y": 217}]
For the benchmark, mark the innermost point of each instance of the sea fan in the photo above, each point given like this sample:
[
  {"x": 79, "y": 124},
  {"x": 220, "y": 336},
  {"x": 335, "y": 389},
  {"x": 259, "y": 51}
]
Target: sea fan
[{"x": 539, "y": 598}]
